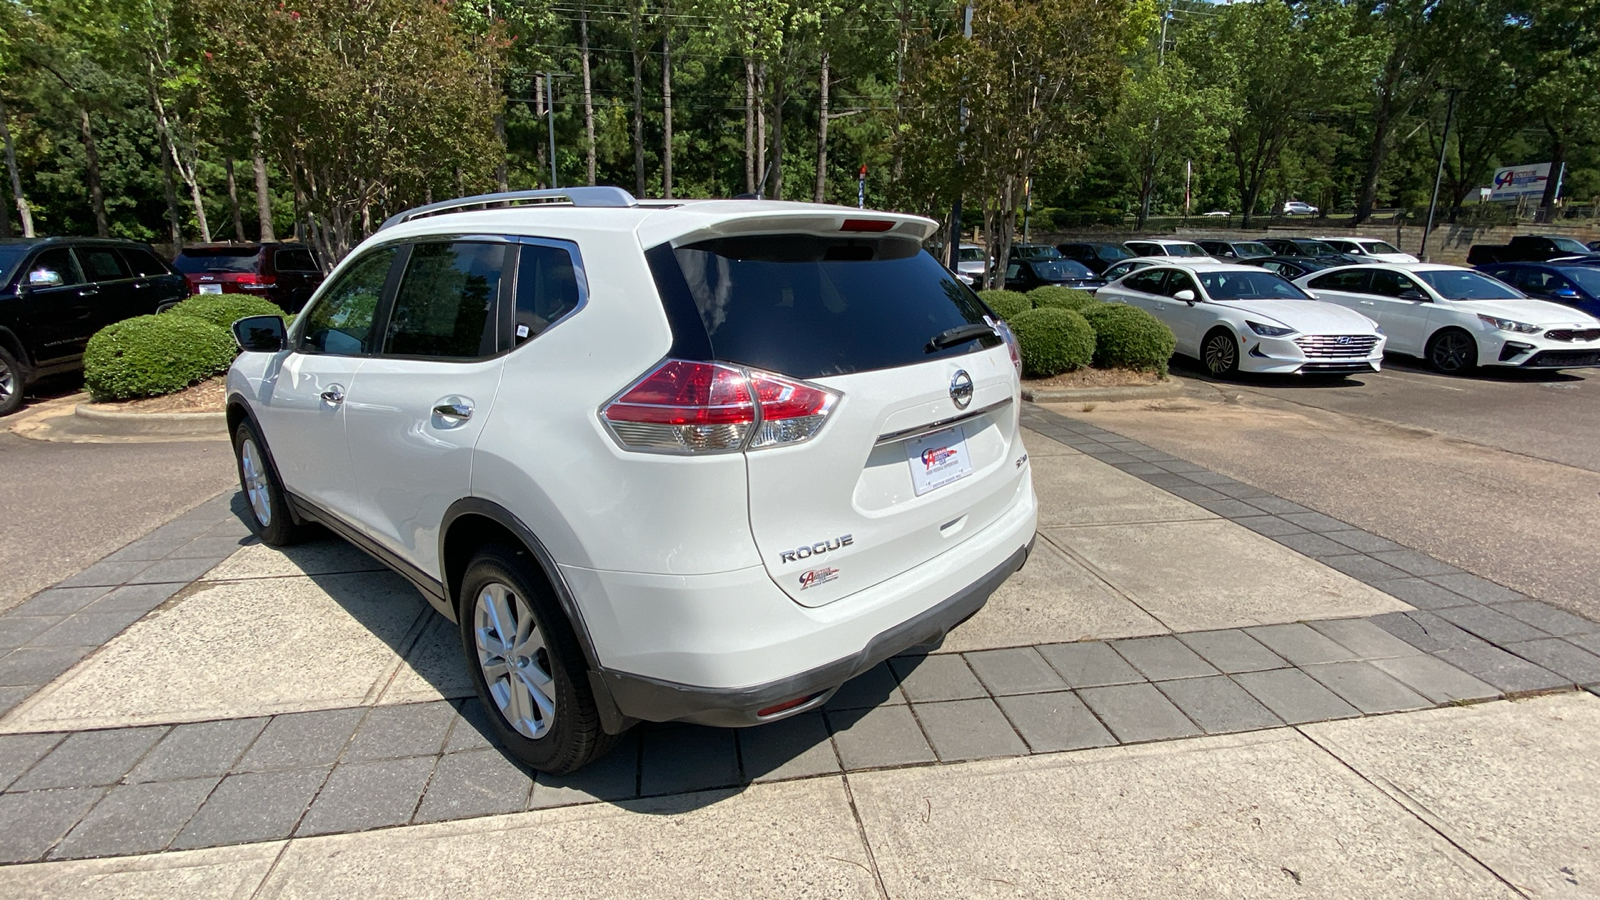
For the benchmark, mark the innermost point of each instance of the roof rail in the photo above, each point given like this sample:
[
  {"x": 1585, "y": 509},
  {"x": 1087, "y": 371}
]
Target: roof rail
[{"x": 602, "y": 196}]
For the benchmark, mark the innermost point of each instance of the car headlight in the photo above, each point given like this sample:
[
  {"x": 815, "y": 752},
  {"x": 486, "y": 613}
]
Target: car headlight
[
  {"x": 1268, "y": 330},
  {"x": 1509, "y": 325}
]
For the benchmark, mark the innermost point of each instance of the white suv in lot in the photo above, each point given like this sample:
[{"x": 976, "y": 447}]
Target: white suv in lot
[{"x": 698, "y": 461}]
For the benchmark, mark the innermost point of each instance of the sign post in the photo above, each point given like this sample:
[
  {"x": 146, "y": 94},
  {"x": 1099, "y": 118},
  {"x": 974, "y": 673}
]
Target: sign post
[{"x": 861, "y": 187}]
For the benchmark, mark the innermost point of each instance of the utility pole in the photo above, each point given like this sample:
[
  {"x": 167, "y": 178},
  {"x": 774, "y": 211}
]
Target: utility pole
[
  {"x": 1438, "y": 174},
  {"x": 1161, "y": 49},
  {"x": 550, "y": 106},
  {"x": 953, "y": 251}
]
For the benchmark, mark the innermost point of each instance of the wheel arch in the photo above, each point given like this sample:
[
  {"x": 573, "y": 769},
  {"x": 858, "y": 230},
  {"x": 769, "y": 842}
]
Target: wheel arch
[
  {"x": 13, "y": 343},
  {"x": 238, "y": 411}
]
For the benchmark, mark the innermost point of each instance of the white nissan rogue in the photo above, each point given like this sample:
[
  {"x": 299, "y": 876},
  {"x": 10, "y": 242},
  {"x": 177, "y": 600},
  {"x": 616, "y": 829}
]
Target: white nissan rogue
[{"x": 665, "y": 461}]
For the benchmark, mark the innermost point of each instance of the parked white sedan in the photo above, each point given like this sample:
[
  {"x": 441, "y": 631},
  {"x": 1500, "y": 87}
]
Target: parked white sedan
[
  {"x": 1244, "y": 318},
  {"x": 1458, "y": 319}
]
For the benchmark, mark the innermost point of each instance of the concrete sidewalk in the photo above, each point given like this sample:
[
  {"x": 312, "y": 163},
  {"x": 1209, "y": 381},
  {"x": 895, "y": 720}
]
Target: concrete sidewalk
[{"x": 1170, "y": 617}]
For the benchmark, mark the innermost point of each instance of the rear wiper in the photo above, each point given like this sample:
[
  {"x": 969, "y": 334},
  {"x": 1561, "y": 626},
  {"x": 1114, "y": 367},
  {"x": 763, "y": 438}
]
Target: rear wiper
[{"x": 958, "y": 335}]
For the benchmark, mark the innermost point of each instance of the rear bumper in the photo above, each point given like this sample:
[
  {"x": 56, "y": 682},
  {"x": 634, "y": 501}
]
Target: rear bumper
[{"x": 638, "y": 697}]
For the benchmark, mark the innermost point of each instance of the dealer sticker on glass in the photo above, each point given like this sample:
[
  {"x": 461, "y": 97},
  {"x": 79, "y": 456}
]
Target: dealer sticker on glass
[{"x": 938, "y": 459}]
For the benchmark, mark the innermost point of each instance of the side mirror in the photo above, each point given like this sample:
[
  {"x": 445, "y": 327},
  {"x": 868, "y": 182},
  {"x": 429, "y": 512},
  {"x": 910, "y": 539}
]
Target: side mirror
[
  {"x": 260, "y": 334},
  {"x": 1565, "y": 293},
  {"x": 44, "y": 278},
  {"x": 1185, "y": 295}
]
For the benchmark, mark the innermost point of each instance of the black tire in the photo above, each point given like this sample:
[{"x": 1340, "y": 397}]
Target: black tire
[
  {"x": 1452, "y": 351},
  {"x": 1219, "y": 353},
  {"x": 11, "y": 383},
  {"x": 568, "y": 735},
  {"x": 268, "y": 516}
]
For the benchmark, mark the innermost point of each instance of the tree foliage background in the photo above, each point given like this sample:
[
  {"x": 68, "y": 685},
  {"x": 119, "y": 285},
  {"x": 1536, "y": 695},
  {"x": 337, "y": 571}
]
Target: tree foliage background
[{"x": 184, "y": 120}]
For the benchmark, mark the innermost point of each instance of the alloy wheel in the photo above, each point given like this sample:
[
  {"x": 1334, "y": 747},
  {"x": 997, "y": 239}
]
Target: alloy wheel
[
  {"x": 8, "y": 382},
  {"x": 1452, "y": 352},
  {"x": 515, "y": 662},
  {"x": 1220, "y": 355},
  {"x": 255, "y": 481}
]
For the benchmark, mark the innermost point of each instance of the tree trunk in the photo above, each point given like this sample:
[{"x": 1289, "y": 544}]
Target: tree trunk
[
  {"x": 638, "y": 102},
  {"x": 1558, "y": 156},
  {"x": 539, "y": 153},
  {"x": 170, "y": 191},
  {"x": 666, "y": 112},
  {"x": 164, "y": 126},
  {"x": 91, "y": 172},
  {"x": 24, "y": 211},
  {"x": 588, "y": 91},
  {"x": 263, "y": 196},
  {"x": 502, "y": 178},
  {"x": 779, "y": 98},
  {"x": 822, "y": 134},
  {"x": 1369, "y": 182},
  {"x": 898, "y": 163},
  {"x": 761, "y": 129},
  {"x": 233, "y": 200},
  {"x": 749, "y": 126}
]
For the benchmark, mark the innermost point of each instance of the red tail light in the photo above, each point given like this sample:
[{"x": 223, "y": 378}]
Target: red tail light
[
  {"x": 868, "y": 225},
  {"x": 700, "y": 407},
  {"x": 1011, "y": 345},
  {"x": 252, "y": 280}
]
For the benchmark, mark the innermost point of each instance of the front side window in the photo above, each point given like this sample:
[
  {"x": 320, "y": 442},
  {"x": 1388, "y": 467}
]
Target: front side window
[
  {"x": 1179, "y": 281},
  {"x": 446, "y": 301},
  {"x": 547, "y": 289},
  {"x": 101, "y": 264},
  {"x": 341, "y": 319},
  {"x": 1112, "y": 253},
  {"x": 1147, "y": 282},
  {"x": 1353, "y": 281},
  {"x": 54, "y": 268},
  {"x": 1389, "y": 283},
  {"x": 1251, "y": 250}
]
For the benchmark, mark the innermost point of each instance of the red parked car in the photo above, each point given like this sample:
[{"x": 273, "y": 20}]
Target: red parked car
[{"x": 286, "y": 274}]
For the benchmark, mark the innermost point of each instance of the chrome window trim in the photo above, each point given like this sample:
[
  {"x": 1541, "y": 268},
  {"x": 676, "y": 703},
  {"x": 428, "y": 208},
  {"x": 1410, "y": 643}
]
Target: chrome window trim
[{"x": 904, "y": 433}]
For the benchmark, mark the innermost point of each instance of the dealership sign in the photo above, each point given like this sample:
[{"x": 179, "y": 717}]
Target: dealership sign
[{"x": 1512, "y": 182}]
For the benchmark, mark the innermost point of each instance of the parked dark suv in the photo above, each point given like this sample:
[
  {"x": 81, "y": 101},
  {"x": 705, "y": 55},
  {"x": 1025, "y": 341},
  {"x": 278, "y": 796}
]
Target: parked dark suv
[
  {"x": 55, "y": 293},
  {"x": 286, "y": 274}
]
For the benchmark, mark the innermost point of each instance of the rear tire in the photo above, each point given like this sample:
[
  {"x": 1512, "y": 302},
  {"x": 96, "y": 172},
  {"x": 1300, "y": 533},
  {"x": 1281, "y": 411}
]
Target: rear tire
[
  {"x": 1452, "y": 351},
  {"x": 269, "y": 516},
  {"x": 11, "y": 380},
  {"x": 526, "y": 664},
  {"x": 1219, "y": 353}
]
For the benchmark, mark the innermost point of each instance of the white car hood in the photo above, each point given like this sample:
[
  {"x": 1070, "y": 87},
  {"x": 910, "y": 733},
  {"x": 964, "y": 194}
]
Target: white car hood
[
  {"x": 1304, "y": 316},
  {"x": 1530, "y": 311}
]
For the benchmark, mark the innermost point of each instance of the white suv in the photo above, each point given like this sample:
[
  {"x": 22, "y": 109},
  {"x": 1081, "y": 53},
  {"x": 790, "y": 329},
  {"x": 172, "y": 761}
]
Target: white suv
[{"x": 699, "y": 461}]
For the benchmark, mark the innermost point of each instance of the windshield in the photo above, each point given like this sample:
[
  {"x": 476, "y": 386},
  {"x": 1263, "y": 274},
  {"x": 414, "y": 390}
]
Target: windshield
[
  {"x": 971, "y": 254},
  {"x": 10, "y": 258},
  {"x": 1183, "y": 248},
  {"x": 1588, "y": 279},
  {"x": 1062, "y": 270},
  {"x": 1464, "y": 285},
  {"x": 1036, "y": 251},
  {"x": 1251, "y": 249},
  {"x": 228, "y": 259},
  {"x": 1380, "y": 247},
  {"x": 1248, "y": 286},
  {"x": 1112, "y": 253},
  {"x": 1569, "y": 245},
  {"x": 1317, "y": 248}
]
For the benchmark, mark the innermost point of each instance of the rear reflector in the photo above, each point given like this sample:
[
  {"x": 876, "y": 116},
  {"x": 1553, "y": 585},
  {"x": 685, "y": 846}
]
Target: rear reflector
[
  {"x": 866, "y": 225},
  {"x": 701, "y": 407},
  {"x": 785, "y": 706}
]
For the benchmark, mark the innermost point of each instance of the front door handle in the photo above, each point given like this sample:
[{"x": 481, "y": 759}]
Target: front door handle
[
  {"x": 334, "y": 395},
  {"x": 455, "y": 410}
]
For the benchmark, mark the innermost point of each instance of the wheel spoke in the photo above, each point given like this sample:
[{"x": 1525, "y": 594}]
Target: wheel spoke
[{"x": 513, "y": 660}]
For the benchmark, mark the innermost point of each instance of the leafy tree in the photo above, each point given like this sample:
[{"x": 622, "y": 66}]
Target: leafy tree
[{"x": 1166, "y": 113}]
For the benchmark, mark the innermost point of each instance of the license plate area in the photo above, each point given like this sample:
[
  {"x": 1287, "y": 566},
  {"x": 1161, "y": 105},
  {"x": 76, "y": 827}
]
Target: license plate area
[
  {"x": 210, "y": 288},
  {"x": 938, "y": 459}
]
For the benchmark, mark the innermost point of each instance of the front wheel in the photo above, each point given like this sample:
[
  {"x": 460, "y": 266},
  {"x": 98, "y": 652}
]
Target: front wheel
[
  {"x": 10, "y": 383},
  {"x": 269, "y": 511},
  {"x": 1453, "y": 352},
  {"x": 526, "y": 664},
  {"x": 1220, "y": 354}
]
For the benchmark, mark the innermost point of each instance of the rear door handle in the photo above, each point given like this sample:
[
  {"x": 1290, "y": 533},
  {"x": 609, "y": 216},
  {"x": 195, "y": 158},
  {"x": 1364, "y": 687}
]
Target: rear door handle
[
  {"x": 334, "y": 395},
  {"x": 456, "y": 410}
]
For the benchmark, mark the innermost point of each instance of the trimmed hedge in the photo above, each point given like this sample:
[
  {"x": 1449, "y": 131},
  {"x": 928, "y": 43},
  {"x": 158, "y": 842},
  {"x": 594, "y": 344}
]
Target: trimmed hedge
[
  {"x": 1127, "y": 337},
  {"x": 222, "y": 310},
  {"x": 1056, "y": 297},
  {"x": 1053, "y": 341},
  {"x": 1006, "y": 303},
  {"x": 148, "y": 356}
]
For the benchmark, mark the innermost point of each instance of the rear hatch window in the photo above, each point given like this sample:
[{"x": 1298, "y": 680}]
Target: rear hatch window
[
  {"x": 809, "y": 306},
  {"x": 217, "y": 259}
]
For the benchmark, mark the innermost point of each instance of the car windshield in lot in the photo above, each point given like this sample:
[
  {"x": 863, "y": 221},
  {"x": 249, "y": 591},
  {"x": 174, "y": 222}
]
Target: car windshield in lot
[
  {"x": 1248, "y": 286},
  {"x": 1062, "y": 270},
  {"x": 971, "y": 254},
  {"x": 1113, "y": 253},
  {"x": 1569, "y": 245},
  {"x": 1183, "y": 249},
  {"x": 1317, "y": 248},
  {"x": 10, "y": 258},
  {"x": 1588, "y": 279},
  {"x": 228, "y": 259},
  {"x": 1251, "y": 250},
  {"x": 1035, "y": 251},
  {"x": 1464, "y": 285},
  {"x": 1380, "y": 247}
]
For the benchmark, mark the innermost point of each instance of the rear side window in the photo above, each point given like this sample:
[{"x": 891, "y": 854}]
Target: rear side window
[
  {"x": 143, "y": 262},
  {"x": 341, "y": 320},
  {"x": 547, "y": 289},
  {"x": 101, "y": 264},
  {"x": 294, "y": 259},
  {"x": 1352, "y": 280},
  {"x": 446, "y": 302},
  {"x": 1147, "y": 282},
  {"x": 809, "y": 306}
]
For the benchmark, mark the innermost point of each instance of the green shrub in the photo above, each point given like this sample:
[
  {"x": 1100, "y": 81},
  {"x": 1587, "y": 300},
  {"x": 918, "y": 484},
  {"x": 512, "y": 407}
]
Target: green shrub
[
  {"x": 1053, "y": 341},
  {"x": 1006, "y": 303},
  {"x": 149, "y": 356},
  {"x": 1056, "y": 297},
  {"x": 1126, "y": 337},
  {"x": 222, "y": 310}
]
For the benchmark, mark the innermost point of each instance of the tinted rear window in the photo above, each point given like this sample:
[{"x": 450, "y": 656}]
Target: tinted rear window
[
  {"x": 224, "y": 259},
  {"x": 810, "y": 306},
  {"x": 143, "y": 262}
]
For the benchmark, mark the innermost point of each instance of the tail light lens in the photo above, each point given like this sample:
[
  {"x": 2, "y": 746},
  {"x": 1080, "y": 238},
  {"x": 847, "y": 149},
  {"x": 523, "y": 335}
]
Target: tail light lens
[
  {"x": 700, "y": 407},
  {"x": 252, "y": 280},
  {"x": 1011, "y": 343}
]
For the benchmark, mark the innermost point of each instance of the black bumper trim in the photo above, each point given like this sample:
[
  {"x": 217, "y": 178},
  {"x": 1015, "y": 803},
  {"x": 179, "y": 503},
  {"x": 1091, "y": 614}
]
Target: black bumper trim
[{"x": 653, "y": 700}]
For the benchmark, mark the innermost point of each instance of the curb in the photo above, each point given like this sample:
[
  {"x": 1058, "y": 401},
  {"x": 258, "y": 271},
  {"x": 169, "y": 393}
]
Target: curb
[
  {"x": 203, "y": 424},
  {"x": 1172, "y": 387}
]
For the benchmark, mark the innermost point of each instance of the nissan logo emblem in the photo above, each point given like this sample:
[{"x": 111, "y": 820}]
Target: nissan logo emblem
[{"x": 961, "y": 389}]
